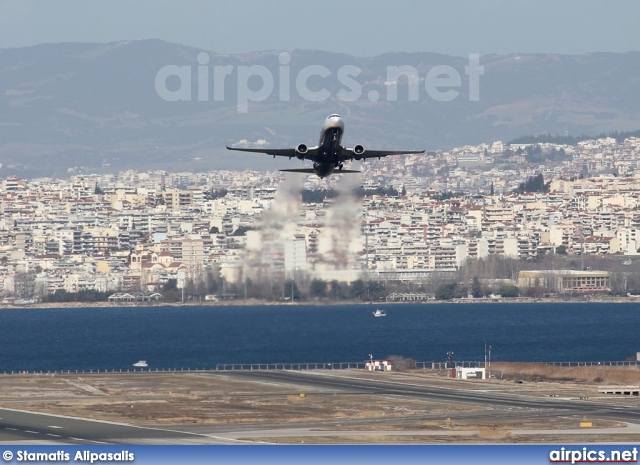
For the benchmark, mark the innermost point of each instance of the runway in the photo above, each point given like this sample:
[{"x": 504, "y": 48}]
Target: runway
[
  {"x": 17, "y": 426},
  {"x": 558, "y": 406}
]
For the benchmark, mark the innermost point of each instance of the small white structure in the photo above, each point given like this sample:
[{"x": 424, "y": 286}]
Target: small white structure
[
  {"x": 380, "y": 365},
  {"x": 471, "y": 373},
  {"x": 620, "y": 390}
]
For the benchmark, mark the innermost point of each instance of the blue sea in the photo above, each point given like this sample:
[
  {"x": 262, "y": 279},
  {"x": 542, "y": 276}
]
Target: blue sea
[{"x": 202, "y": 337}]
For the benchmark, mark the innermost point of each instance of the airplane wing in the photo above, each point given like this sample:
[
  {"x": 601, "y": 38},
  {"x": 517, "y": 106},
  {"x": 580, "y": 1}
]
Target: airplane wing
[
  {"x": 308, "y": 155},
  {"x": 299, "y": 170},
  {"x": 310, "y": 170},
  {"x": 348, "y": 153}
]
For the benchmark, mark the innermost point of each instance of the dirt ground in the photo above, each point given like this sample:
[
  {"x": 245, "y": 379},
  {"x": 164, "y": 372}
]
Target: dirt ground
[
  {"x": 217, "y": 399},
  {"x": 189, "y": 398}
]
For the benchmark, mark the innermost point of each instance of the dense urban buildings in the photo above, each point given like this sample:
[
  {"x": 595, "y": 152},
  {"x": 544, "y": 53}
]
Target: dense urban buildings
[{"x": 433, "y": 213}]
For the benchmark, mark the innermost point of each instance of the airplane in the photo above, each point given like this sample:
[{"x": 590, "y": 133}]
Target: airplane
[{"x": 329, "y": 154}]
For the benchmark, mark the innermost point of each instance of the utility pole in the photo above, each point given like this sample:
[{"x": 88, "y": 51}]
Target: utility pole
[{"x": 485, "y": 354}]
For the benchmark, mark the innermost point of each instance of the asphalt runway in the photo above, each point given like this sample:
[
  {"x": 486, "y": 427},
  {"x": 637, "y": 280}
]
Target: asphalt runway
[
  {"x": 559, "y": 406},
  {"x": 19, "y": 426}
]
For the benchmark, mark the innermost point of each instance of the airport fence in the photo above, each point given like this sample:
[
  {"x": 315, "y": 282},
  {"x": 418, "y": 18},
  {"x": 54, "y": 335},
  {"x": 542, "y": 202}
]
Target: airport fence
[
  {"x": 247, "y": 367},
  {"x": 448, "y": 365},
  {"x": 625, "y": 363},
  {"x": 301, "y": 367},
  {"x": 219, "y": 367},
  {"x": 290, "y": 366}
]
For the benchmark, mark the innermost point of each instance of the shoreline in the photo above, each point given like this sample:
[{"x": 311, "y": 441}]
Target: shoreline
[{"x": 319, "y": 303}]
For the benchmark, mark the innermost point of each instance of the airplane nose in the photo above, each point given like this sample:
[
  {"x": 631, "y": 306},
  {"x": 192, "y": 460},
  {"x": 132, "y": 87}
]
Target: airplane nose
[{"x": 334, "y": 121}]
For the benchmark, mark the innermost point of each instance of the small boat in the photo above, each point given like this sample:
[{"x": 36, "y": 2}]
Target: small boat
[
  {"x": 379, "y": 312},
  {"x": 141, "y": 363}
]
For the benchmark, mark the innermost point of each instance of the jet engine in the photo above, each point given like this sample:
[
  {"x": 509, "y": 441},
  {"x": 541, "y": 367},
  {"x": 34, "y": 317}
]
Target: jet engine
[
  {"x": 301, "y": 150},
  {"x": 358, "y": 150}
]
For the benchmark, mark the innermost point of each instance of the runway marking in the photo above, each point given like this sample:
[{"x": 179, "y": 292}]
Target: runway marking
[
  {"x": 188, "y": 433},
  {"x": 54, "y": 435},
  {"x": 31, "y": 432},
  {"x": 57, "y": 427},
  {"x": 53, "y": 415}
]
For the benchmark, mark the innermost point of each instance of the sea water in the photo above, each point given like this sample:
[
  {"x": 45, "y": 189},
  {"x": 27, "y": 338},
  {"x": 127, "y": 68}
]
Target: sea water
[{"x": 174, "y": 337}]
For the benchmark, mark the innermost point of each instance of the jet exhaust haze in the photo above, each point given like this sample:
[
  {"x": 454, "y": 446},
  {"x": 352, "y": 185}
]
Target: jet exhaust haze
[{"x": 333, "y": 240}]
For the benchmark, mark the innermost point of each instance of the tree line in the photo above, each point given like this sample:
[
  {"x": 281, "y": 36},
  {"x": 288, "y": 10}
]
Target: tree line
[
  {"x": 533, "y": 184},
  {"x": 318, "y": 195},
  {"x": 478, "y": 278}
]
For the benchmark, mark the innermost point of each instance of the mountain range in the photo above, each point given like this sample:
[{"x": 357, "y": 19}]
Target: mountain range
[{"x": 153, "y": 104}]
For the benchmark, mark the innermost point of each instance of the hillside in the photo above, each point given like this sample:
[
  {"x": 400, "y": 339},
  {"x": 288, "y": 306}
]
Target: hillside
[{"x": 96, "y": 105}]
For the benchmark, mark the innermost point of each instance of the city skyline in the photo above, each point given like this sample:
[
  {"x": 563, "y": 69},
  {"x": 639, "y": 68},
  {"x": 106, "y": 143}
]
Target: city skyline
[{"x": 471, "y": 211}]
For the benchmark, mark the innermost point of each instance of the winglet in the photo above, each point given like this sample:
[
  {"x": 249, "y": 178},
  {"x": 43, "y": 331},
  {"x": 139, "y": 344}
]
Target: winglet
[{"x": 231, "y": 148}]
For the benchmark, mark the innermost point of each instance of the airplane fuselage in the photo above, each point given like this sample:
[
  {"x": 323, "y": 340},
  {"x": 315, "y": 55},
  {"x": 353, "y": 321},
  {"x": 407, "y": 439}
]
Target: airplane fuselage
[{"x": 329, "y": 147}]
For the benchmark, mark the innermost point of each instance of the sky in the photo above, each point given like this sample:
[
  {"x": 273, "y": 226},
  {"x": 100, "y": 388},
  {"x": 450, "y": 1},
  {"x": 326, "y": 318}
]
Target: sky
[{"x": 354, "y": 27}]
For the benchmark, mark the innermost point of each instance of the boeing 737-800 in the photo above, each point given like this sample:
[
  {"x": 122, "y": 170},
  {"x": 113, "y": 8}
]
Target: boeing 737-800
[{"x": 329, "y": 154}]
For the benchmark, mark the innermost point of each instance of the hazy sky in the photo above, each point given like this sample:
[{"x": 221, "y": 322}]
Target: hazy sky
[{"x": 355, "y": 27}]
